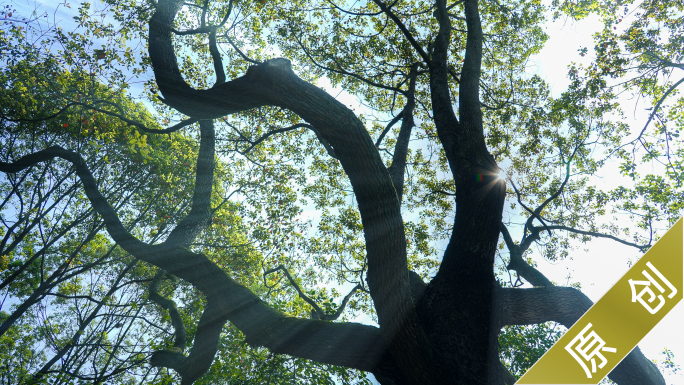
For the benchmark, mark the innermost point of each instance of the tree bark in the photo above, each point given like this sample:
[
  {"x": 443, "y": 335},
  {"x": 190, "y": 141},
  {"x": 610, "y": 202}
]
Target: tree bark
[{"x": 566, "y": 305}]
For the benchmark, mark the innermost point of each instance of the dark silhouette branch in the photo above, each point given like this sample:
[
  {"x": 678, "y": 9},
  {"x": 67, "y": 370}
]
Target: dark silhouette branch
[
  {"x": 529, "y": 210},
  {"x": 407, "y": 34},
  {"x": 317, "y": 312},
  {"x": 267, "y": 135},
  {"x": 169, "y": 305},
  {"x": 344, "y": 72},
  {"x": 199, "y": 216},
  {"x": 517, "y": 263},
  {"x": 597, "y": 235},
  {"x": 130, "y": 122},
  {"x": 245, "y": 57},
  {"x": 566, "y": 305},
  {"x": 354, "y": 345},
  {"x": 657, "y": 107},
  {"x": 216, "y": 58},
  {"x": 538, "y": 210},
  {"x": 274, "y": 83},
  {"x": 388, "y": 127},
  {"x": 100, "y": 204},
  {"x": 398, "y": 166}
]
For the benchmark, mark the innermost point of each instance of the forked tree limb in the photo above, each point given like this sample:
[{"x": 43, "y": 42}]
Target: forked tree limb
[
  {"x": 564, "y": 305},
  {"x": 317, "y": 312},
  {"x": 274, "y": 83}
]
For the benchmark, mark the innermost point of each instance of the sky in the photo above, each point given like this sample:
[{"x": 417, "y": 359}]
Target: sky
[{"x": 605, "y": 261}]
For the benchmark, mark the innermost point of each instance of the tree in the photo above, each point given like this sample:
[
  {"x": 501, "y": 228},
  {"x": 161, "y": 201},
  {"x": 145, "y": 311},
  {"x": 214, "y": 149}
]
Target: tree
[{"x": 411, "y": 63}]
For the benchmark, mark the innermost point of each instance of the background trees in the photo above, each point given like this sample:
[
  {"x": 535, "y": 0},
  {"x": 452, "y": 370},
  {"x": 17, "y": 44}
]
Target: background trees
[{"x": 117, "y": 259}]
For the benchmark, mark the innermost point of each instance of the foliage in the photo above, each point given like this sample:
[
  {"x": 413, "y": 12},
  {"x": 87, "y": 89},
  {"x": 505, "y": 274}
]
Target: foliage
[{"x": 285, "y": 218}]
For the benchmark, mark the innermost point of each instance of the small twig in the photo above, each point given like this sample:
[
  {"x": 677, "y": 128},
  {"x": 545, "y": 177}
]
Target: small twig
[{"x": 319, "y": 313}]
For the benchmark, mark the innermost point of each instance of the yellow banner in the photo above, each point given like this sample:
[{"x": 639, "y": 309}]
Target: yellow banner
[{"x": 608, "y": 331}]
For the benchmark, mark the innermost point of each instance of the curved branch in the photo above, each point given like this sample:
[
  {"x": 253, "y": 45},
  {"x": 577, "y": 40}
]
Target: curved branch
[
  {"x": 216, "y": 58},
  {"x": 344, "y": 72},
  {"x": 349, "y": 344},
  {"x": 517, "y": 263},
  {"x": 598, "y": 235},
  {"x": 657, "y": 106},
  {"x": 169, "y": 305},
  {"x": 274, "y": 83},
  {"x": 555, "y": 195},
  {"x": 533, "y": 212},
  {"x": 388, "y": 127},
  {"x": 204, "y": 349},
  {"x": 245, "y": 57},
  {"x": 199, "y": 216},
  {"x": 261, "y": 325},
  {"x": 130, "y": 122},
  {"x": 319, "y": 313},
  {"x": 271, "y": 133},
  {"x": 114, "y": 226}
]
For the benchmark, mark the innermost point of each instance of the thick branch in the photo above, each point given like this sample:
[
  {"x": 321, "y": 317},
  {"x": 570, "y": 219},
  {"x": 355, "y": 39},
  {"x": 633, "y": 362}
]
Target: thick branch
[
  {"x": 352, "y": 345},
  {"x": 203, "y": 350},
  {"x": 566, "y": 305},
  {"x": 111, "y": 219},
  {"x": 274, "y": 83},
  {"x": 170, "y": 306},
  {"x": 469, "y": 87},
  {"x": 199, "y": 216},
  {"x": 216, "y": 57},
  {"x": 398, "y": 166}
]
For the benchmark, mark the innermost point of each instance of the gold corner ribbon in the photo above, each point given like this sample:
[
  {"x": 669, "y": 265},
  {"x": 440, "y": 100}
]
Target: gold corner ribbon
[{"x": 614, "y": 325}]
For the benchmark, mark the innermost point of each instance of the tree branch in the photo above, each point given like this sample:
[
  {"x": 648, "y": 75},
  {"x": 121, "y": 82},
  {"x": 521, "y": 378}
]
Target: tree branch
[
  {"x": 170, "y": 306},
  {"x": 274, "y": 83},
  {"x": 130, "y": 122},
  {"x": 388, "y": 127},
  {"x": 517, "y": 263},
  {"x": 81, "y": 327},
  {"x": 216, "y": 58},
  {"x": 566, "y": 305},
  {"x": 398, "y": 167},
  {"x": 100, "y": 204},
  {"x": 319, "y": 313},
  {"x": 596, "y": 234},
  {"x": 388, "y": 11},
  {"x": 199, "y": 216}
]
